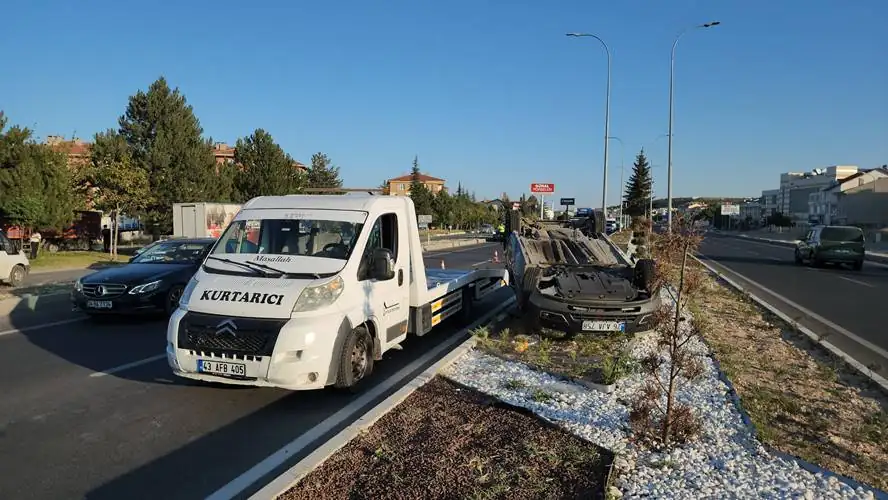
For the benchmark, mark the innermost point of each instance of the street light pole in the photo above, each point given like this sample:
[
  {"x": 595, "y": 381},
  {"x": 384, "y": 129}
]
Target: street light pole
[
  {"x": 606, "y": 117},
  {"x": 671, "y": 86},
  {"x": 622, "y": 159}
]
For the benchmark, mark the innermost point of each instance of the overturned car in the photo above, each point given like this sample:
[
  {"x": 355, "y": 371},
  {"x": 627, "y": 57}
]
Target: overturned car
[{"x": 578, "y": 281}]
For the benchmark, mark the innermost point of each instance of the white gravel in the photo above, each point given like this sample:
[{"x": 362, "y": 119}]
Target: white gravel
[{"x": 725, "y": 461}]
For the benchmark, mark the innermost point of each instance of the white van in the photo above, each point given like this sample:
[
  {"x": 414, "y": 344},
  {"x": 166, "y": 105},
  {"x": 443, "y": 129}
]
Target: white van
[
  {"x": 14, "y": 265},
  {"x": 307, "y": 291}
]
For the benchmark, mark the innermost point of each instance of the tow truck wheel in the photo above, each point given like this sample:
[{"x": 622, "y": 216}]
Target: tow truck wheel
[
  {"x": 17, "y": 276},
  {"x": 355, "y": 360}
]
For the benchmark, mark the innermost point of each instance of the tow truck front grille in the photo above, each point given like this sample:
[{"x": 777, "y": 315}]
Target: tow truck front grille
[{"x": 227, "y": 336}]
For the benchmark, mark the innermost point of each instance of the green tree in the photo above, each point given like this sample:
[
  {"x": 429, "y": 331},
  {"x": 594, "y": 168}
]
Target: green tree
[
  {"x": 638, "y": 188},
  {"x": 36, "y": 186},
  {"x": 443, "y": 209},
  {"x": 265, "y": 169},
  {"x": 423, "y": 199},
  {"x": 322, "y": 173},
  {"x": 165, "y": 140}
]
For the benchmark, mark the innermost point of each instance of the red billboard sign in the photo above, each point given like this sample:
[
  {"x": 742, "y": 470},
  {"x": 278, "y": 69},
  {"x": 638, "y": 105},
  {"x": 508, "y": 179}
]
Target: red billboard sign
[{"x": 542, "y": 188}]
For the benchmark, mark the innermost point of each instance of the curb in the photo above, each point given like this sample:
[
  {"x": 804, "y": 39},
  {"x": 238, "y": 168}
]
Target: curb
[
  {"x": 454, "y": 243},
  {"x": 738, "y": 403},
  {"x": 294, "y": 474},
  {"x": 791, "y": 244}
]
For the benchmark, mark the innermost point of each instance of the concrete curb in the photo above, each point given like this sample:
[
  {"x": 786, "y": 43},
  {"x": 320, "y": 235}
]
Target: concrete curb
[
  {"x": 285, "y": 481},
  {"x": 451, "y": 243},
  {"x": 874, "y": 377},
  {"x": 791, "y": 244},
  {"x": 744, "y": 415}
]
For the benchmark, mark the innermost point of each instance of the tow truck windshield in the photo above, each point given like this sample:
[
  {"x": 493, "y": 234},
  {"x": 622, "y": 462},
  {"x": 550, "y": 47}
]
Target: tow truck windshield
[{"x": 330, "y": 239}]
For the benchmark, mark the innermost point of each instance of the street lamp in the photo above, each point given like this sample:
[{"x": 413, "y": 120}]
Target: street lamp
[
  {"x": 622, "y": 159},
  {"x": 671, "y": 85},
  {"x": 606, "y": 116}
]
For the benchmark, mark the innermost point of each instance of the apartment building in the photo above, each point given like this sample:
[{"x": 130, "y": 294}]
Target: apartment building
[
  {"x": 223, "y": 153},
  {"x": 768, "y": 202},
  {"x": 865, "y": 204},
  {"x": 823, "y": 204},
  {"x": 796, "y": 188},
  {"x": 400, "y": 186},
  {"x": 76, "y": 150},
  {"x": 751, "y": 210}
]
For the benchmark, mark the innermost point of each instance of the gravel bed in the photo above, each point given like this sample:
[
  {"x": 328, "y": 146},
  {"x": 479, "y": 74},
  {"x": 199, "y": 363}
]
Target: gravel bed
[{"x": 725, "y": 461}]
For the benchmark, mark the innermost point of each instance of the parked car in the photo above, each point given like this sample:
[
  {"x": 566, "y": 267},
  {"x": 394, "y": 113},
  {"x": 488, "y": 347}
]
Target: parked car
[
  {"x": 152, "y": 281},
  {"x": 14, "y": 264},
  {"x": 832, "y": 244}
]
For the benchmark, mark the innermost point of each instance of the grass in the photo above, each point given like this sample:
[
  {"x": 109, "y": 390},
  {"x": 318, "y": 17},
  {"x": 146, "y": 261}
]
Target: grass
[
  {"x": 591, "y": 358},
  {"x": 801, "y": 399},
  {"x": 47, "y": 261}
]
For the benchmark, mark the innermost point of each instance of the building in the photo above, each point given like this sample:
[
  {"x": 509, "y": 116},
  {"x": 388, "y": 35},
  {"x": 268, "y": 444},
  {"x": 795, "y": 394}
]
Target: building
[
  {"x": 400, "y": 186},
  {"x": 795, "y": 188},
  {"x": 76, "y": 150},
  {"x": 768, "y": 202},
  {"x": 751, "y": 211},
  {"x": 865, "y": 204},
  {"x": 223, "y": 153},
  {"x": 823, "y": 204}
]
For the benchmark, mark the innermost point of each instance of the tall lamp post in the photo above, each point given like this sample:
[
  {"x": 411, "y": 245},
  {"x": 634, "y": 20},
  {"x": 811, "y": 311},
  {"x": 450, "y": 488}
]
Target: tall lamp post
[
  {"x": 671, "y": 86},
  {"x": 622, "y": 159},
  {"x": 606, "y": 116}
]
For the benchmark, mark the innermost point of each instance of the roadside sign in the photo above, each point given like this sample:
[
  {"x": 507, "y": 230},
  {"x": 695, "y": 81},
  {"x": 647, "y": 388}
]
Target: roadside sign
[
  {"x": 730, "y": 209},
  {"x": 568, "y": 202},
  {"x": 542, "y": 188},
  {"x": 424, "y": 219}
]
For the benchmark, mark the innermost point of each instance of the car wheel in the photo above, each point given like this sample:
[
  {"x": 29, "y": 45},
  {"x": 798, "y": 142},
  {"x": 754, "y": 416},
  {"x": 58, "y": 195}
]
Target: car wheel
[
  {"x": 172, "y": 298},
  {"x": 857, "y": 265},
  {"x": 17, "y": 276},
  {"x": 355, "y": 360}
]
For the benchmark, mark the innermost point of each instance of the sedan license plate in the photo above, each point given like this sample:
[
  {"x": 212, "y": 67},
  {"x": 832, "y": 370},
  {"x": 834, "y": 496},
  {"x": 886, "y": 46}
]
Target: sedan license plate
[
  {"x": 98, "y": 304},
  {"x": 221, "y": 368},
  {"x": 604, "y": 326}
]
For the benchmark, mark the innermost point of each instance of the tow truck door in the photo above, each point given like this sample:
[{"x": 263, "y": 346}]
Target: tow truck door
[{"x": 388, "y": 300}]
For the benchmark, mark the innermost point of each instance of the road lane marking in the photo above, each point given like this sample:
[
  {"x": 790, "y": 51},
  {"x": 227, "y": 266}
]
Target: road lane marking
[
  {"x": 40, "y": 326},
  {"x": 852, "y": 280},
  {"x": 284, "y": 454},
  {"x": 116, "y": 369},
  {"x": 812, "y": 314}
]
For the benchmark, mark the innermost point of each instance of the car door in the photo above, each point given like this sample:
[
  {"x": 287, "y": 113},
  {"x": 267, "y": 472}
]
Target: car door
[{"x": 389, "y": 299}]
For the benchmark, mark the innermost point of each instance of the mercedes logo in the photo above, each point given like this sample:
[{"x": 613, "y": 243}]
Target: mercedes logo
[
  {"x": 100, "y": 290},
  {"x": 227, "y": 327}
]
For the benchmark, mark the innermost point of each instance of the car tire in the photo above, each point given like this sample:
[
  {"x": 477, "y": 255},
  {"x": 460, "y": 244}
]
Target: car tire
[
  {"x": 172, "y": 299},
  {"x": 17, "y": 275},
  {"x": 645, "y": 274},
  {"x": 355, "y": 360},
  {"x": 857, "y": 265}
]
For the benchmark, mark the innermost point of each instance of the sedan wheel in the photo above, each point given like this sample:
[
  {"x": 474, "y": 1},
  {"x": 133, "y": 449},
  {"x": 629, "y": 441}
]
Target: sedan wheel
[{"x": 173, "y": 297}]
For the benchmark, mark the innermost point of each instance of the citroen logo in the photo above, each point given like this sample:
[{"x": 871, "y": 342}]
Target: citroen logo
[
  {"x": 100, "y": 290},
  {"x": 227, "y": 327}
]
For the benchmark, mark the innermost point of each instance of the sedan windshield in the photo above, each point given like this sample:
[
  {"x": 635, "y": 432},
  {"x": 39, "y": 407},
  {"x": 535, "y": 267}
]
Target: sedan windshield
[
  {"x": 172, "y": 252},
  {"x": 301, "y": 237}
]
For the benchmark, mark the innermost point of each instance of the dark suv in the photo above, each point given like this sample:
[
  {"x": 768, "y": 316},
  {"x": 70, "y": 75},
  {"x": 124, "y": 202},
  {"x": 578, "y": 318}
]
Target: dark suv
[{"x": 832, "y": 244}]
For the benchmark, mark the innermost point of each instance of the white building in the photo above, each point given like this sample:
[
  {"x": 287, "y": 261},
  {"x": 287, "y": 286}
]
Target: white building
[
  {"x": 769, "y": 202},
  {"x": 823, "y": 204},
  {"x": 751, "y": 210},
  {"x": 796, "y": 188}
]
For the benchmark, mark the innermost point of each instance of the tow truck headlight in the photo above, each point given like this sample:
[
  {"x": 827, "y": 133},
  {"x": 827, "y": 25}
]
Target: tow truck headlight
[
  {"x": 186, "y": 294},
  {"x": 145, "y": 288},
  {"x": 318, "y": 296}
]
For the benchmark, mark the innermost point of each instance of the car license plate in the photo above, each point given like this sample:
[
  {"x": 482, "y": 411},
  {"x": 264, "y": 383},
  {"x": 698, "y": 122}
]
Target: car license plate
[
  {"x": 604, "y": 326},
  {"x": 98, "y": 304},
  {"x": 221, "y": 368}
]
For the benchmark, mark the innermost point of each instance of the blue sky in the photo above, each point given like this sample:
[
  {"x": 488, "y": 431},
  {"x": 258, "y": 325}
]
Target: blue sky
[{"x": 489, "y": 93}]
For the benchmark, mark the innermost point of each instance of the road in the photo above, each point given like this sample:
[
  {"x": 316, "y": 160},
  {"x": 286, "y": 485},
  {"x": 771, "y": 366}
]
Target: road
[
  {"x": 91, "y": 410},
  {"x": 849, "y": 303}
]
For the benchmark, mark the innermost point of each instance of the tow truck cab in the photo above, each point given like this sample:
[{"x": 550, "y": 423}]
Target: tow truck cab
[{"x": 307, "y": 291}]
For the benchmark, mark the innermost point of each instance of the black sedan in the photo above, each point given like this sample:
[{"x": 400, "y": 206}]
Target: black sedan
[{"x": 153, "y": 281}]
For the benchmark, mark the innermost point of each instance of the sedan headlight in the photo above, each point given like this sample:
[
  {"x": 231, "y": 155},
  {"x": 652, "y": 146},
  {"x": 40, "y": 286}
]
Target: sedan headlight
[
  {"x": 318, "y": 296},
  {"x": 147, "y": 287}
]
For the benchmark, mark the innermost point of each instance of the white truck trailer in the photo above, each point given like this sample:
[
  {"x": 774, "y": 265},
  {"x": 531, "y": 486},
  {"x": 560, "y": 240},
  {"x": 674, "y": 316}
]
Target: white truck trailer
[
  {"x": 202, "y": 220},
  {"x": 307, "y": 291}
]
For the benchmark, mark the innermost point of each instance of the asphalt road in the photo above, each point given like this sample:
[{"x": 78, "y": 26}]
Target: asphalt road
[
  {"x": 90, "y": 410},
  {"x": 850, "y": 302}
]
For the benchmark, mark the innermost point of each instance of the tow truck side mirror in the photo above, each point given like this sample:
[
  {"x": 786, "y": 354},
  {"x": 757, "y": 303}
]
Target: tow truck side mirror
[{"x": 383, "y": 264}]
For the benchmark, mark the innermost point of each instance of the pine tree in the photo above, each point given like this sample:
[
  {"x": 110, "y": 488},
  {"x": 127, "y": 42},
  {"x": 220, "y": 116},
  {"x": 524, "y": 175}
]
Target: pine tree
[
  {"x": 266, "y": 170},
  {"x": 423, "y": 199},
  {"x": 322, "y": 173},
  {"x": 638, "y": 188}
]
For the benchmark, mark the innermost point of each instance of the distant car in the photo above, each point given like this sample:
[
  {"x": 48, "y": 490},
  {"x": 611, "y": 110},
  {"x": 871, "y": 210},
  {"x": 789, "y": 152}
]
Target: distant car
[
  {"x": 14, "y": 264},
  {"x": 833, "y": 245},
  {"x": 152, "y": 281}
]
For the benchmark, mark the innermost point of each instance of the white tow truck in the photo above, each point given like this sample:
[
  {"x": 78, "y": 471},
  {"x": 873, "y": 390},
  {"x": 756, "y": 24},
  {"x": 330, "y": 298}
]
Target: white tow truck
[{"x": 307, "y": 291}]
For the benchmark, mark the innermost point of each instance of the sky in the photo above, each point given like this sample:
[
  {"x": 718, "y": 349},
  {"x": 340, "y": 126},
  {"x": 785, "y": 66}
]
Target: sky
[{"x": 487, "y": 93}]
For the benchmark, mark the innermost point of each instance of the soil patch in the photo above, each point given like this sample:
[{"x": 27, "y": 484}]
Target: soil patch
[
  {"x": 802, "y": 400},
  {"x": 585, "y": 358},
  {"x": 448, "y": 441}
]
